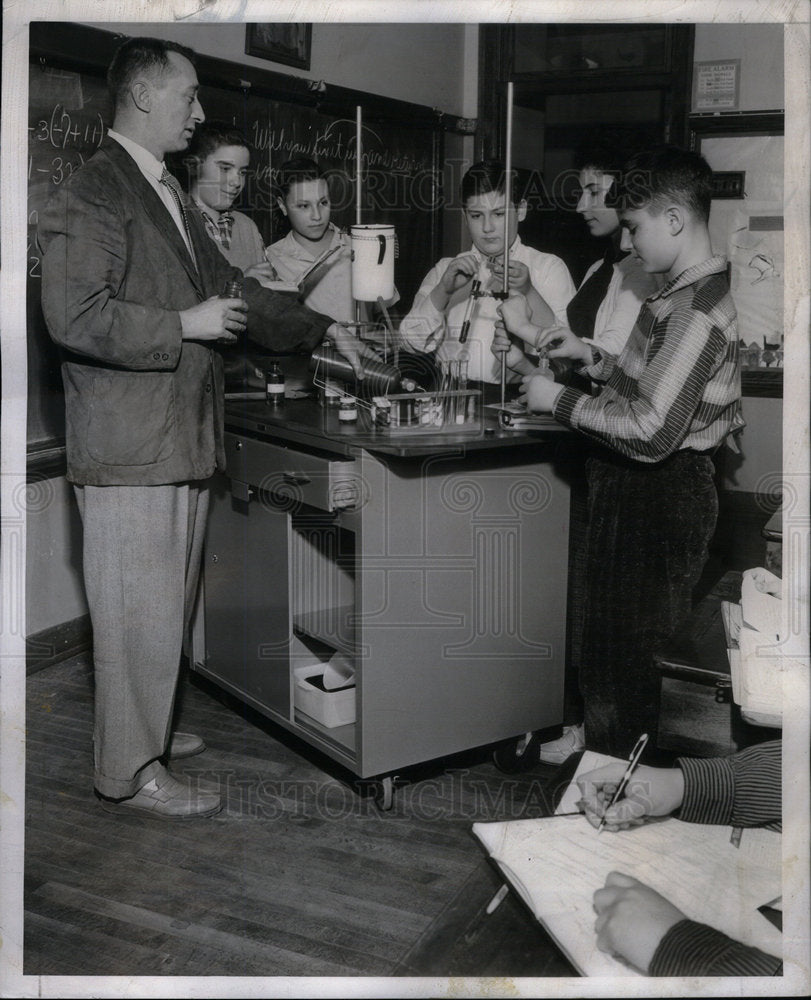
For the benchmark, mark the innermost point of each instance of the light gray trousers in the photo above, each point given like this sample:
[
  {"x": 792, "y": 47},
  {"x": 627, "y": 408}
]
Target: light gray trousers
[{"x": 142, "y": 552}]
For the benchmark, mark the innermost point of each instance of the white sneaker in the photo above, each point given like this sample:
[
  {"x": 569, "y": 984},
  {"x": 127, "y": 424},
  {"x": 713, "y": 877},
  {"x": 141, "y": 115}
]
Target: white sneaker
[{"x": 572, "y": 741}]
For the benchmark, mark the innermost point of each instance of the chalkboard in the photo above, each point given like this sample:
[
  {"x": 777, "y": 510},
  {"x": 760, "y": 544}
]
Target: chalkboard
[
  {"x": 399, "y": 181},
  {"x": 67, "y": 116},
  {"x": 280, "y": 116}
]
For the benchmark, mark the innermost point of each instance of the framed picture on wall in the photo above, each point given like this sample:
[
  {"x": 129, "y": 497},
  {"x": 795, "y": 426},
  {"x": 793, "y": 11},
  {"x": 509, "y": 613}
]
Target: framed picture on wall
[{"x": 280, "y": 42}]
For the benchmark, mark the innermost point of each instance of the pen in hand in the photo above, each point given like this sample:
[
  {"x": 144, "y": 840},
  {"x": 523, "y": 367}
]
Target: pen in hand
[{"x": 633, "y": 761}]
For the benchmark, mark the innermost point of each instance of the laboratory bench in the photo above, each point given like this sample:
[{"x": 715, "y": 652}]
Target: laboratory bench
[{"x": 433, "y": 564}]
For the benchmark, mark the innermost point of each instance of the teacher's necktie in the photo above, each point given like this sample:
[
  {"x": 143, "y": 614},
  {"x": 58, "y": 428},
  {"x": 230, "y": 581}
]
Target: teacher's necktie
[{"x": 172, "y": 184}]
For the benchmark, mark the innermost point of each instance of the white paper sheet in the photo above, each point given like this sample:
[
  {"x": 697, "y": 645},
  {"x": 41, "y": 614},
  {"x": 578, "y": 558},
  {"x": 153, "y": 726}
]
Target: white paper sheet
[
  {"x": 761, "y": 604},
  {"x": 556, "y": 864}
]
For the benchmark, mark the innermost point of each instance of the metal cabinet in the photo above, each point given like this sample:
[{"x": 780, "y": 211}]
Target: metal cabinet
[{"x": 441, "y": 577}]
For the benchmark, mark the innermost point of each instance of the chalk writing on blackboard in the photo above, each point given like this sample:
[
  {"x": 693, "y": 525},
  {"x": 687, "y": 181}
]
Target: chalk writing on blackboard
[
  {"x": 66, "y": 124},
  {"x": 331, "y": 144}
]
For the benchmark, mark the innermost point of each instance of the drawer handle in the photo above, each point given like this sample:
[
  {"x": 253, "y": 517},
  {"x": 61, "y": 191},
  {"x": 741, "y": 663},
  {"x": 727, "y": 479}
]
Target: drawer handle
[{"x": 295, "y": 478}]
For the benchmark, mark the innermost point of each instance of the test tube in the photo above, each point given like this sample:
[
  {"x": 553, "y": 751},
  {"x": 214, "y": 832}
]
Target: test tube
[
  {"x": 452, "y": 387},
  {"x": 445, "y": 368},
  {"x": 461, "y": 411},
  {"x": 471, "y": 303}
]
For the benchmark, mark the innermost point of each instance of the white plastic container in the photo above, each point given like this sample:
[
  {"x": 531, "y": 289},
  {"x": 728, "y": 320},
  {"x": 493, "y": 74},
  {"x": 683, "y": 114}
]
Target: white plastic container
[{"x": 330, "y": 708}]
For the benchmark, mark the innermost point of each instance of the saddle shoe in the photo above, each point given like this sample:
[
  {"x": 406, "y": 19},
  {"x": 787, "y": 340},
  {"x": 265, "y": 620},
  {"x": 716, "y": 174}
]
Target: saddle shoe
[
  {"x": 557, "y": 751},
  {"x": 167, "y": 797}
]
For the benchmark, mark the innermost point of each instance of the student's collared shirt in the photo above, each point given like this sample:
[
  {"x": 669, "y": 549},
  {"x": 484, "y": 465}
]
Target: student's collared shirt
[
  {"x": 332, "y": 296},
  {"x": 426, "y": 327},
  {"x": 333, "y": 293},
  {"x": 247, "y": 246},
  {"x": 677, "y": 383}
]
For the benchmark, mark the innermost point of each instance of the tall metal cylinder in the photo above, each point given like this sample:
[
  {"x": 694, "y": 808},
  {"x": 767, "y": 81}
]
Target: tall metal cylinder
[{"x": 379, "y": 379}]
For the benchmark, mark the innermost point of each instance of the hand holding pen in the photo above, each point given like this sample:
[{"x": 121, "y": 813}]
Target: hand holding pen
[
  {"x": 633, "y": 763},
  {"x": 649, "y": 792}
]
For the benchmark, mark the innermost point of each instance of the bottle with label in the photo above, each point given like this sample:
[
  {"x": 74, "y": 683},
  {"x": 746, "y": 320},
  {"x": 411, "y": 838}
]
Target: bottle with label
[
  {"x": 348, "y": 410},
  {"x": 274, "y": 384}
]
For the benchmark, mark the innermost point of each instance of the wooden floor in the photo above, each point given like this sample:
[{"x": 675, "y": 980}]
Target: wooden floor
[{"x": 299, "y": 875}]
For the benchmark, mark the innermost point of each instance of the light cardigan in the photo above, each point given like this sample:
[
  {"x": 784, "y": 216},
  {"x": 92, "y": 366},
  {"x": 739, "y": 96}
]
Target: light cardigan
[{"x": 627, "y": 290}]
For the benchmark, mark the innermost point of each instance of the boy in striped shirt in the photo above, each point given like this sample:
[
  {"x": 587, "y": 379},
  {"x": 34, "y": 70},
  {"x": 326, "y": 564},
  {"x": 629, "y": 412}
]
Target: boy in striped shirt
[{"x": 667, "y": 403}]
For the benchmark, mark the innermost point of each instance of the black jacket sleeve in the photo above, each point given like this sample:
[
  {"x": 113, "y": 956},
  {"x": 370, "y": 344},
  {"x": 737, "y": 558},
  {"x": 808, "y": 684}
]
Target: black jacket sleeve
[{"x": 279, "y": 322}]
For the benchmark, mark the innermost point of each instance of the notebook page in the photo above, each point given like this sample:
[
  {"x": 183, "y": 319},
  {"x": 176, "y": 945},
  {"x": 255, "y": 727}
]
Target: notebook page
[{"x": 559, "y": 862}]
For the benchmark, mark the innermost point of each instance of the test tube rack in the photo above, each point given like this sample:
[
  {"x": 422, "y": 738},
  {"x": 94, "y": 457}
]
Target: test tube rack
[
  {"x": 452, "y": 408},
  {"x": 453, "y": 411}
]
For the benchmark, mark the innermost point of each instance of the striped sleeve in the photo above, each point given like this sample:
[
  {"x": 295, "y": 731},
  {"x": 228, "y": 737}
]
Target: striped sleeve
[
  {"x": 676, "y": 383},
  {"x": 741, "y": 790},
  {"x": 693, "y": 949},
  {"x": 645, "y": 411}
]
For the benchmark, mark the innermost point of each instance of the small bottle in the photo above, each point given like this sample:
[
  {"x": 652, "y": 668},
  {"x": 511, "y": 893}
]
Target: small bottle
[
  {"x": 348, "y": 410},
  {"x": 274, "y": 384}
]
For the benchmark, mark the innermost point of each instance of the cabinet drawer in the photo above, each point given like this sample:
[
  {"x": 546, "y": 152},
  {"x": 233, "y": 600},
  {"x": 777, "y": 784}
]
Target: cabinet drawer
[{"x": 296, "y": 476}]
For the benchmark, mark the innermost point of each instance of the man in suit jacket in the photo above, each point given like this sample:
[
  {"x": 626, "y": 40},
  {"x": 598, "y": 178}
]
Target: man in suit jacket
[{"x": 130, "y": 291}]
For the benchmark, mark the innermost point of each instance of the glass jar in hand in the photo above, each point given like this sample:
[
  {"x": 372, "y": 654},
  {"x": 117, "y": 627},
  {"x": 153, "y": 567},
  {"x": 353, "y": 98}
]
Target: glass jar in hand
[{"x": 232, "y": 289}]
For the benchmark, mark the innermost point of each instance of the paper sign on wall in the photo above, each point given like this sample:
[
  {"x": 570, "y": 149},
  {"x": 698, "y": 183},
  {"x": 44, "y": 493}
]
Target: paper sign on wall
[{"x": 716, "y": 85}]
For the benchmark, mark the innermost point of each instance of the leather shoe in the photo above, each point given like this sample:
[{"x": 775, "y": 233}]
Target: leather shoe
[
  {"x": 184, "y": 745},
  {"x": 516, "y": 756},
  {"x": 165, "y": 797}
]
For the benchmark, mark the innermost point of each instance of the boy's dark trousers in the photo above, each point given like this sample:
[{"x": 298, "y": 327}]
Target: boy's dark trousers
[{"x": 647, "y": 543}]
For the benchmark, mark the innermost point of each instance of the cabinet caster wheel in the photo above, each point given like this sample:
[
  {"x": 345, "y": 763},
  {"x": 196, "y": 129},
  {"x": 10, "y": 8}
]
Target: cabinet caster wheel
[{"x": 384, "y": 793}]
